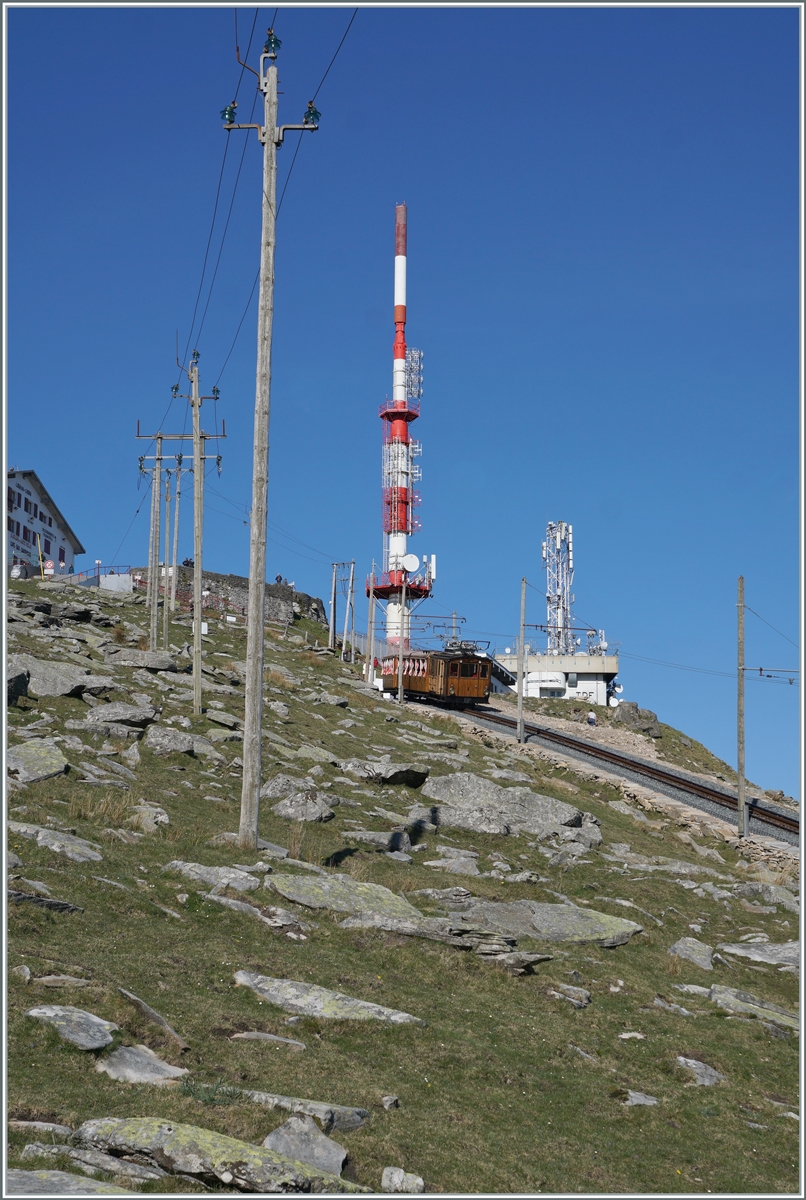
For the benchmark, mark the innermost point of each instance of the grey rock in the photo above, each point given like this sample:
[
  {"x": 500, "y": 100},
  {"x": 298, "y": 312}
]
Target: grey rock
[
  {"x": 133, "y": 715},
  {"x": 147, "y": 817},
  {"x": 74, "y": 1025},
  {"x": 59, "y": 1183},
  {"x": 91, "y": 1162},
  {"x": 328, "y": 698},
  {"x": 342, "y": 893},
  {"x": 224, "y": 718},
  {"x": 735, "y": 1001},
  {"x": 17, "y": 678},
  {"x": 218, "y": 736},
  {"x": 257, "y": 1036},
  {"x": 12, "y": 860},
  {"x": 35, "y": 761},
  {"x": 704, "y": 1076},
  {"x": 161, "y": 740},
  {"x": 395, "y": 1179},
  {"x": 204, "y": 748},
  {"x": 22, "y": 972},
  {"x": 511, "y": 776},
  {"x": 278, "y": 708},
  {"x": 75, "y": 848},
  {"x": 467, "y": 801},
  {"x": 308, "y": 999},
  {"x": 386, "y": 772},
  {"x": 47, "y": 678},
  {"x": 331, "y": 1116},
  {"x": 214, "y": 877},
  {"x": 397, "y": 840},
  {"x": 317, "y": 753},
  {"x": 132, "y": 755},
  {"x": 643, "y": 720},
  {"x": 692, "y": 989},
  {"x": 390, "y": 1102},
  {"x": 280, "y": 786},
  {"x": 276, "y": 918},
  {"x": 454, "y": 865},
  {"x": 300, "y": 1139},
  {"x": 451, "y": 897},
  {"x": 203, "y": 1153},
  {"x": 310, "y": 805},
  {"x": 774, "y": 953},
  {"x": 138, "y": 1064},
  {"x": 693, "y": 951},
  {"x": 40, "y": 1127},
  {"x": 399, "y": 856},
  {"x": 579, "y": 997},
  {"x": 151, "y": 660},
  {"x": 659, "y": 1002},
  {"x": 551, "y": 922},
  {"x": 635, "y": 1098}
]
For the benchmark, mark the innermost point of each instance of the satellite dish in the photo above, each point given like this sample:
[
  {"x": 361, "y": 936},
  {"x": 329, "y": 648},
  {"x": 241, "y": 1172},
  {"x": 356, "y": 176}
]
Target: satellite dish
[{"x": 410, "y": 562}]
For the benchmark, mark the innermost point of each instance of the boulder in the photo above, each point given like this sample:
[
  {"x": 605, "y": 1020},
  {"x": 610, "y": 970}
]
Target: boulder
[
  {"x": 395, "y": 1179},
  {"x": 91, "y": 1162},
  {"x": 769, "y": 893},
  {"x": 328, "y": 698},
  {"x": 550, "y": 922},
  {"x": 386, "y": 772},
  {"x": 138, "y": 1064},
  {"x": 735, "y": 1001},
  {"x": 147, "y": 817},
  {"x": 204, "y": 1154},
  {"x": 280, "y": 786},
  {"x": 46, "y": 678},
  {"x": 331, "y": 1116},
  {"x": 342, "y": 893},
  {"x": 454, "y": 865},
  {"x": 278, "y": 708},
  {"x": 74, "y": 1025},
  {"x": 775, "y": 953},
  {"x": 168, "y": 741},
  {"x": 310, "y": 1000},
  {"x": 34, "y": 761},
  {"x": 317, "y": 753},
  {"x": 397, "y": 840},
  {"x": 40, "y": 1127},
  {"x": 215, "y": 877},
  {"x": 276, "y": 918},
  {"x": 152, "y": 660},
  {"x": 255, "y": 1035},
  {"x": 204, "y": 748},
  {"x": 17, "y": 678},
  {"x": 300, "y": 1139},
  {"x": 693, "y": 951},
  {"x": 467, "y": 801},
  {"x": 59, "y": 1183},
  {"x": 304, "y": 806},
  {"x": 134, "y": 715},
  {"x": 642, "y": 720},
  {"x": 224, "y": 718},
  {"x": 704, "y": 1076},
  {"x": 636, "y": 1098},
  {"x": 75, "y": 848}
]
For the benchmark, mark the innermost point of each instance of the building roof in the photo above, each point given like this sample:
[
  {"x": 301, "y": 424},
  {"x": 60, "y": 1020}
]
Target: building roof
[{"x": 56, "y": 512}]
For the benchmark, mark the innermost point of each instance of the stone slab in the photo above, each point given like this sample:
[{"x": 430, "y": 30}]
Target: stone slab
[
  {"x": 300, "y": 1139},
  {"x": 774, "y": 953},
  {"x": 693, "y": 951},
  {"x": 310, "y": 1000},
  {"x": 342, "y": 893},
  {"x": 138, "y": 1064},
  {"x": 704, "y": 1076},
  {"x": 74, "y": 1025},
  {"x": 35, "y": 761},
  {"x": 75, "y": 848},
  {"x": 736, "y": 1001},
  {"x": 214, "y": 877},
  {"x": 551, "y": 922},
  {"x": 59, "y": 1183}
]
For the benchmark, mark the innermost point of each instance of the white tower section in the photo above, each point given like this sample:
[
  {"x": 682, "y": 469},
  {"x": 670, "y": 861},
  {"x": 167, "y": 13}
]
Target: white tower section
[{"x": 558, "y": 557}]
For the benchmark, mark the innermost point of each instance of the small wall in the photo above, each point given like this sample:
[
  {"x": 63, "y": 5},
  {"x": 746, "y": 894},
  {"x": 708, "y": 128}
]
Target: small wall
[{"x": 116, "y": 583}]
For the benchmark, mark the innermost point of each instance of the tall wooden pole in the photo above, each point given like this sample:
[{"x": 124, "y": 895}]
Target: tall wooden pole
[
  {"x": 402, "y": 645},
  {"x": 167, "y": 558},
  {"x": 347, "y": 613},
  {"x": 521, "y": 660},
  {"x": 743, "y": 822},
  {"x": 331, "y": 632},
  {"x": 198, "y": 529},
  {"x": 253, "y": 716},
  {"x": 155, "y": 550},
  {"x": 149, "y": 580},
  {"x": 369, "y": 665},
  {"x": 176, "y": 531}
]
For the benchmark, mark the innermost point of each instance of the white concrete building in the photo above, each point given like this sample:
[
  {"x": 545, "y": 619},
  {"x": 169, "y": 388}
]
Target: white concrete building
[
  {"x": 35, "y": 527},
  {"x": 586, "y": 677}
]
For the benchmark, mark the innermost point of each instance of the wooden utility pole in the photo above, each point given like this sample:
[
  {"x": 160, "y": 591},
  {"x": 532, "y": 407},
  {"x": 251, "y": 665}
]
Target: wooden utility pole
[
  {"x": 331, "y": 631},
  {"x": 742, "y": 822},
  {"x": 198, "y": 531},
  {"x": 167, "y": 559},
  {"x": 521, "y": 661},
  {"x": 402, "y": 640},
  {"x": 352, "y": 613},
  {"x": 347, "y": 602},
  {"x": 369, "y": 665},
  {"x": 271, "y": 137},
  {"x": 154, "y": 566},
  {"x": 149, "y": 580},
  {"x": 176, "y": 531}
]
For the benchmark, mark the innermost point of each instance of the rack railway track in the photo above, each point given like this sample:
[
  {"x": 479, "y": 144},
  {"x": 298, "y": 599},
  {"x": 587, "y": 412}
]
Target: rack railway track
[{"x": 760, "y": 811}]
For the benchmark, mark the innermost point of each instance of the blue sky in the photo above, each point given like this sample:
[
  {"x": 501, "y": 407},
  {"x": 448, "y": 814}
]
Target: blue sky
[{"x": 603, "y": 276}]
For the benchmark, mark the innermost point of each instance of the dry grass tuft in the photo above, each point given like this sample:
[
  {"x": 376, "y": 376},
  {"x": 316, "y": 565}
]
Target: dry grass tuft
[
  {"x": 674, "y": 965},
  {"x": 143, "y": 643},
  {"x": 118, "y": 634},
  {"x": 296, "y": 838}
]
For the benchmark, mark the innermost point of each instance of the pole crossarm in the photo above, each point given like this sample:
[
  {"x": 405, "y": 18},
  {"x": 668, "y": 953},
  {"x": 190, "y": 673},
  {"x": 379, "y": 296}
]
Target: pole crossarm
[{"x": 279, "y": 134}]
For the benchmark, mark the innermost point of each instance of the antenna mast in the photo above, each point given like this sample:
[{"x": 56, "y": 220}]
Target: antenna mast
[{"x": 558, "y": 559}]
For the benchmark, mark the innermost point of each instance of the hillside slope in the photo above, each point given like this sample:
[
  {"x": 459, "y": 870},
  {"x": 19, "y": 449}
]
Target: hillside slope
[{"x": 527, "y": 932}]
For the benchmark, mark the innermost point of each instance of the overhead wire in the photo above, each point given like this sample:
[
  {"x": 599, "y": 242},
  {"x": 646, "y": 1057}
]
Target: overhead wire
[{"x": 772, "y": 627}]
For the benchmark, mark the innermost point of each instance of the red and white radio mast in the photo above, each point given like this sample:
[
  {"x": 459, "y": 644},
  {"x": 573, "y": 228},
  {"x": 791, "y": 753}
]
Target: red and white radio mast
[{"x": 404, "y": 580}]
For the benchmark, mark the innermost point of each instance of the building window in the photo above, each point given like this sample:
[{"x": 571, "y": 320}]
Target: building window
[
  {"x": 469, "y": 670},
  {"x": 26, "y": 533},
  {"x": 27, "y": 506},
  {"x": 10, "y": 499},
  {"x": 61, "y": 554},
  {"x": 10, "y": 524},
  {"x": 50, "y": 522},
  {"x": 454, "y": 668},
  {"x": 19, "y": 499},
  {"x": 18, "y": 529},
  {"x": 36, "y": 511},
  {"x": 47, "y": 545}
]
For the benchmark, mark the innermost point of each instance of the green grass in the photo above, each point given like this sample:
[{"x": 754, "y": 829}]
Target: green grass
[{"x": 492, "y": 1096}]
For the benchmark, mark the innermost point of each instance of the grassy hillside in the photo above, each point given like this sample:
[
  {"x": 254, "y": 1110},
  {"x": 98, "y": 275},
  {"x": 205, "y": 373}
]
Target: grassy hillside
[{"x": 495, "y": 1095}]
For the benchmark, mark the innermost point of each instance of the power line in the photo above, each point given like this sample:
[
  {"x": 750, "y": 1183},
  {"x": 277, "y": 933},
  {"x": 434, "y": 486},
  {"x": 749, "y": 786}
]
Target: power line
[
  {"x": 772, "y": 627},
  {"x": 134, "y": 518}
]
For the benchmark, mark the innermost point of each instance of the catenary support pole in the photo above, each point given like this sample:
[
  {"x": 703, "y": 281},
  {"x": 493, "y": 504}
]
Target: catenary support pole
[
  {"x": 174, "y": 565},
  {"x": 198, "y": 529},
  {"x": 155, "y": 550},
  {"x": 369, "y": 665},
  {"x": 402, "y": 641},
  {"x": 167, "y": 559},
  {"x": 347, "y": 613},
  {"x": 521, "y": 660},
  {"x": 331, "y": 632},
  {"x": 742, "y": 824},
  {"x": 352, "y": 611},
  {"x": 149, "y": 580}
]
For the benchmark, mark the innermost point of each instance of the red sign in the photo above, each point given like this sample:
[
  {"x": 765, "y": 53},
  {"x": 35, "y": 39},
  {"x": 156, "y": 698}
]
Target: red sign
[{"x": 49, "y": 565}]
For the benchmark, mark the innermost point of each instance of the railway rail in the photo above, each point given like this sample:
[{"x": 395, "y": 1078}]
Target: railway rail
[{"x": 760, "y": 812}]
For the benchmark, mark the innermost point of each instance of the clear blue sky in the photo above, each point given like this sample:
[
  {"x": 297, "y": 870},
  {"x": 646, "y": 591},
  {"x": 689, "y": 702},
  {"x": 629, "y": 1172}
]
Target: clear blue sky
[{"x": 603, "y": 275}]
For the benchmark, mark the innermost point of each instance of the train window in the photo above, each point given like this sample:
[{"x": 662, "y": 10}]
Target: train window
[
  {"x": 454, "y": 668},
  {"x": 484, "y": 669},
  {"x": 469, "y": 670}
]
